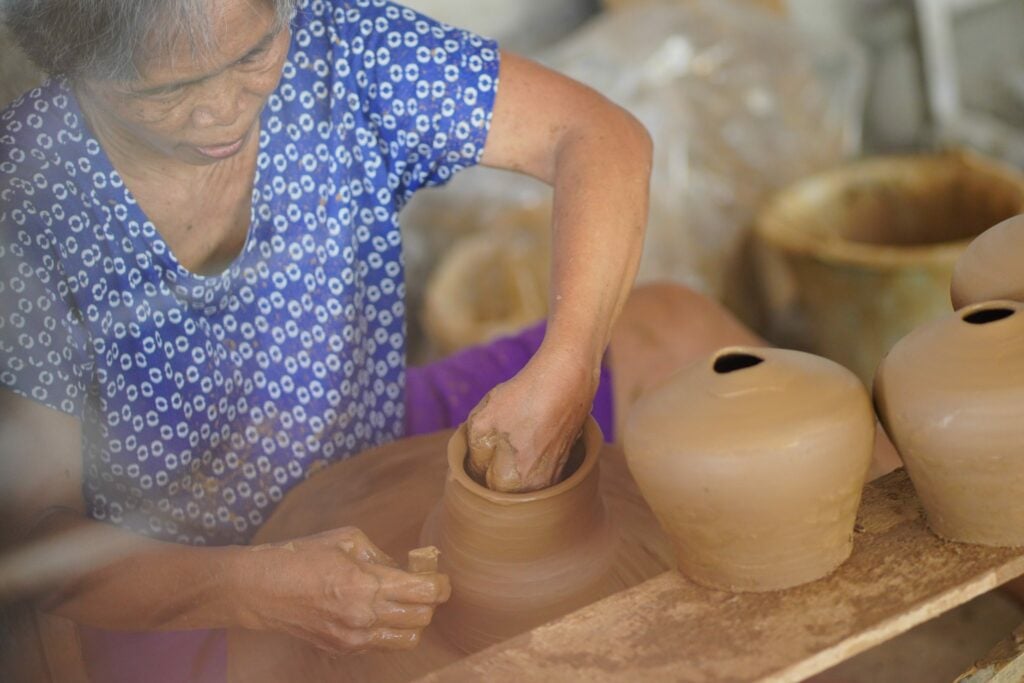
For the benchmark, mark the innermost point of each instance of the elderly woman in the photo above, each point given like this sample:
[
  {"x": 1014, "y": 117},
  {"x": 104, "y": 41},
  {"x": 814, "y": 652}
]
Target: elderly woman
[{"x": 202, "y": 295}]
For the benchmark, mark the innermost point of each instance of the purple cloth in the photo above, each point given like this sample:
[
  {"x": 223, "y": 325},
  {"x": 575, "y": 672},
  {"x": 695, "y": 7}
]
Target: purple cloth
[{"x": 442, "y": 394}]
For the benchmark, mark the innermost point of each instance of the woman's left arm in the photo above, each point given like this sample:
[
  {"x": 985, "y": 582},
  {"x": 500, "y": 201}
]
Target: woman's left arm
[{"x": 598, "y": 159}]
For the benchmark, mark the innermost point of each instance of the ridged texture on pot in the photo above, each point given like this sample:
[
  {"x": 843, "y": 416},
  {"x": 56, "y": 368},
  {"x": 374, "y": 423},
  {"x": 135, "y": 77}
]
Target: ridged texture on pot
[
  {"x": 951, "y": 397},
  {"x": 755, "y": 473},
  {"x": 519, "y": 560},
  {"x": 991, "y": 266}
]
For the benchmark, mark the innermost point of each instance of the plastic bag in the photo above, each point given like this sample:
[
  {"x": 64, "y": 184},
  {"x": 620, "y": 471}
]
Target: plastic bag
[{"x": 739, "y": 104}]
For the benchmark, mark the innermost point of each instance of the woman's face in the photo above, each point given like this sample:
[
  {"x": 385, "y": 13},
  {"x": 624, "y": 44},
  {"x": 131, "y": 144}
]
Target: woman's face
[{"x": 198, "y": 109}]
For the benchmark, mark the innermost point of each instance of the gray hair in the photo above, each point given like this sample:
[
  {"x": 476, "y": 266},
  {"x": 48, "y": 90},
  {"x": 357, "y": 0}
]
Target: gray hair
[{"x": 107, "y": 39}]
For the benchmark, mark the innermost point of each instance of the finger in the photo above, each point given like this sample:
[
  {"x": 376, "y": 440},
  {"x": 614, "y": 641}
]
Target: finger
[
  {"x": 481, "y": 454},
  {"x": 403, "y": 616},
  {"x": 329, "y": 645},
  {"x": 413, "y": 589},
  {"x": 510, "y": 470},
  {"x": 395, "y": 639},
  {"x": 358, "y": 546}
]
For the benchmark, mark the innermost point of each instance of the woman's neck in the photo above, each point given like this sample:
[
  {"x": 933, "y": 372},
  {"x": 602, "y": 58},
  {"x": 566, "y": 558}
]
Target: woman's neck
[{"x": 201, "y": 211}]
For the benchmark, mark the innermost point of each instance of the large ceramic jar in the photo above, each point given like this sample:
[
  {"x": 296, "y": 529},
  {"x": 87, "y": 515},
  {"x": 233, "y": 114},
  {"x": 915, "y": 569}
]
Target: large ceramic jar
[
  {"x": 951, "y": 397},
  {"x": 753, "y": 460},
  {"x": 851, "y": 260},
  {"x": 517, "y": 561},
  {"x": 990, "y": 267}
]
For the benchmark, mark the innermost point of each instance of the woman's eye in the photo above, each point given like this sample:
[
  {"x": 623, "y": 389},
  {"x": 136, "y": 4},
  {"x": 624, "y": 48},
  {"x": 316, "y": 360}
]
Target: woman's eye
[
  {"x": 254, "y": 56},
  {"x": 165, "y": 93},
  {"x": 161, "y": 94}
]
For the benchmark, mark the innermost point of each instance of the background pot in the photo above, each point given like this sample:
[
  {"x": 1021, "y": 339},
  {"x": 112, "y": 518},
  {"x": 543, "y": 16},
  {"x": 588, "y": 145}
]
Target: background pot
[
  {"x": 753, "y": 460},
  {"x": 991, "y": 267},
  {"x": 852, "y": 260},
  {"x": 951, "y": 396}
]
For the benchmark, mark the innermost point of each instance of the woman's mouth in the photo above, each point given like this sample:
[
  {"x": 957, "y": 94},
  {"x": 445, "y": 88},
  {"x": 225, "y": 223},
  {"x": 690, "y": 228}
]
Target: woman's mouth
[{"x": 222, "y": 151}]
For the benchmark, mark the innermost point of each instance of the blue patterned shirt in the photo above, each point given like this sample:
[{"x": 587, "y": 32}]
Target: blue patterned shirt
[{"x": 204, "y": 399}]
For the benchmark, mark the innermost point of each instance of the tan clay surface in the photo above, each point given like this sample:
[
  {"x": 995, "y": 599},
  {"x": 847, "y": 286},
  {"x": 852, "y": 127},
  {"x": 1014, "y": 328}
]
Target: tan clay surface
[
  {"x": 669, "y": 629},
  {"x": 951, "y": 397},
  {"x": 388, "y": 493},
  {"x": 754, "y": 470},
  {"x": 991, "y": 267}
]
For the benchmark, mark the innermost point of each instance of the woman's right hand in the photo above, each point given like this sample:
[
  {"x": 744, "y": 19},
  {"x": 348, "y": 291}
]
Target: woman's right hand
[{"x": 338, "y": 591}]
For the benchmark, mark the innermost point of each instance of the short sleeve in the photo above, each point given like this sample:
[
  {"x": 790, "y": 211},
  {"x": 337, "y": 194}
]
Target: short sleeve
[
  {"x": 42, "y": 341},
  {"x": 432, "y": 89}
]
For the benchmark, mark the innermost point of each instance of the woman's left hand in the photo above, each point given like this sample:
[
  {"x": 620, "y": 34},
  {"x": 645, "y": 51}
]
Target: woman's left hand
[{"x": 520, "y": 434}]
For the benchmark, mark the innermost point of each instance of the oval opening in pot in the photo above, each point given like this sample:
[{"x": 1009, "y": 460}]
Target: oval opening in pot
[
  {"x": 988, "y": 315},
  {"x": 731, "y": 362}
]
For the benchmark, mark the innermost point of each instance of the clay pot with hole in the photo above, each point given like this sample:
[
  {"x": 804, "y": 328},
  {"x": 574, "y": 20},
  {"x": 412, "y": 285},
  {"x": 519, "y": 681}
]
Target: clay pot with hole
[
  {"x": 853, "y": 259},
  {"x": 990, "y": 268},
  {"x": 518, "y": 560},
  {"x": 951, "y": 397},
  {"x": 753, "y": 460}
]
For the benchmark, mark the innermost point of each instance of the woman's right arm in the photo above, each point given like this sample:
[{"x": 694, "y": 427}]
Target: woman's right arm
[{"x": 335, "y": 590}]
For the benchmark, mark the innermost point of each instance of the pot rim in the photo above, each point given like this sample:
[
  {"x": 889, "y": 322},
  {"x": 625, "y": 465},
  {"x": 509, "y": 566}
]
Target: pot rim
[
  {"x": 774, "y": 226},
  {"x": 592, "y": 439}
]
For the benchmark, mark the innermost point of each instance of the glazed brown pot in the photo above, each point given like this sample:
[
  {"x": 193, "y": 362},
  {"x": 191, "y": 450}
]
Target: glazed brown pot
[
  {"x": 753, "y": 460},
  {"x": 519, "y": 560},
  {"x": 990, "y": 268},
  {"x": 951, "y": 397}
]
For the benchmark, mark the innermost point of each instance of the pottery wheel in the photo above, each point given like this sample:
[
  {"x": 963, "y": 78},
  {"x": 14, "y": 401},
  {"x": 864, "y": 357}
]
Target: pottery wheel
[{"x": 388, "y": 493}]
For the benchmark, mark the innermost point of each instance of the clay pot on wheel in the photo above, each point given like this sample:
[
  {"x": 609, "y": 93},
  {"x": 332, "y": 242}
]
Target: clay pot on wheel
[
  {"x": 517, "y": 561},
  {"x": 753, "y": 460},
  {"x": 951, "y": 397},
  {"x": 990, "y": 267}
]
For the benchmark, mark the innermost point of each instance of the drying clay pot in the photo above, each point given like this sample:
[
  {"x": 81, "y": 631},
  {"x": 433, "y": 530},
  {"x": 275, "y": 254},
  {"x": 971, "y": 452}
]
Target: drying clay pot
[
  {"x": 851, "y": 260},
  {"x": 519, "y": 560},
  {"x": 951, "y": 397},
  {"x": 753, "y": 460},
  {"x": 990, "y": 268}
]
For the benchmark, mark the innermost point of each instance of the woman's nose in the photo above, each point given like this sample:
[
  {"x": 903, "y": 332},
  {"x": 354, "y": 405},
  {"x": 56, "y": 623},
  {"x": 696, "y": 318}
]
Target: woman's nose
[{"x": 219, "y": 104}]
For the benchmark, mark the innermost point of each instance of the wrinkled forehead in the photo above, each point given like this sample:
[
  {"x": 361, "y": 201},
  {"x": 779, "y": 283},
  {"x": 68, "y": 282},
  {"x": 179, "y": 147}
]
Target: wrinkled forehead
[{"x": 198, "y": 37}]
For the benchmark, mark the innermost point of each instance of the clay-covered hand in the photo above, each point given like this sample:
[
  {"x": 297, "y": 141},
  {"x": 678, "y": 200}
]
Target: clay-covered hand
[
  {"x": 520, "y": 434},
  {"x": 338, "y": 591}
]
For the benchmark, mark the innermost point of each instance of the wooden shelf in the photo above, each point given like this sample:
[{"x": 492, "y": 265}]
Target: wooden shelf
[
  {"x": 668, "y": 629},
  {"x": 665, "y": 629}
]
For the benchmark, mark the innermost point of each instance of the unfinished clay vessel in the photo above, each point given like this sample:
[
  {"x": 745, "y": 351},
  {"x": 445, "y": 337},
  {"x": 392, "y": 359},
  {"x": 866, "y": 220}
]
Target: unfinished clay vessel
[
  {"x": 990, "y": 267},
  {"x": 753, "y": 460},
  {"x": 951, "y": 397},
  {"x": 519, "y": 560}
]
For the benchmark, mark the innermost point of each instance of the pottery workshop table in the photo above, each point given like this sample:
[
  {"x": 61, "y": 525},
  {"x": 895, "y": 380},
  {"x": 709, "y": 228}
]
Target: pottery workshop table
[{"x": 664, "y": 629}]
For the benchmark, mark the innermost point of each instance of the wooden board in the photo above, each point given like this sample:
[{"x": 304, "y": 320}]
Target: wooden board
[{"x": 668, "y": 629}]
